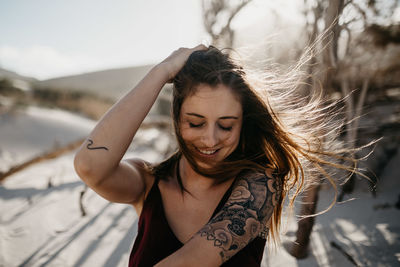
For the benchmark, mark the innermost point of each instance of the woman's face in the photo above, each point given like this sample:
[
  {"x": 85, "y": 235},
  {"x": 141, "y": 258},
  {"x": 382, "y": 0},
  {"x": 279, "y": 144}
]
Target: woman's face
[{"x": 210, "y": 123}]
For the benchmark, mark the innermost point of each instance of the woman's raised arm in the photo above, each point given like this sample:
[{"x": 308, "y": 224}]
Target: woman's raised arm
[{"x": 98, "y": 160}]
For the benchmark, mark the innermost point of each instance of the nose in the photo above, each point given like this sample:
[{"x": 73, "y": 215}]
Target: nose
[{"x": 210, "y": 137}]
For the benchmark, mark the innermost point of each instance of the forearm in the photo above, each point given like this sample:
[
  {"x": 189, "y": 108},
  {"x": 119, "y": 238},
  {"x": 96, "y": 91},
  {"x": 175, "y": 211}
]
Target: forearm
[
  {"x": 195, "y": 253},
  {"x": 114, "y": 132}
]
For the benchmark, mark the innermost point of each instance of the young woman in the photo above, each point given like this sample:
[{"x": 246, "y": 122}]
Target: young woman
[{"x": 214, "y": 201}]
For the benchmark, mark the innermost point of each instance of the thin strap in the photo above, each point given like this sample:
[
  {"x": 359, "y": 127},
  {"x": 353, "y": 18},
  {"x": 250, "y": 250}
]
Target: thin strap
[
  {"x": 151, "y": 191},
  {"x": 223, "y": 200}
]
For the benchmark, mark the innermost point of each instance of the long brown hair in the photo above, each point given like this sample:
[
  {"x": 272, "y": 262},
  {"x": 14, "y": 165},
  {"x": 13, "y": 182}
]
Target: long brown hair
[{"x": 273, "y": 136}]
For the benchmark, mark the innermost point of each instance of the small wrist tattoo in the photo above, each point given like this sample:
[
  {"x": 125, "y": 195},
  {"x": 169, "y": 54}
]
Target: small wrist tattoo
[{"x": 90, "y": 143}]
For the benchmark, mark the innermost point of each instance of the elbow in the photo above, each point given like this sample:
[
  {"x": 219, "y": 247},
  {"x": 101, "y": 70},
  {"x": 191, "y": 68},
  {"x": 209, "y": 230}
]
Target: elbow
[
  {"x": 89, "y": 170},
  {"x": 84, "y": 169}
]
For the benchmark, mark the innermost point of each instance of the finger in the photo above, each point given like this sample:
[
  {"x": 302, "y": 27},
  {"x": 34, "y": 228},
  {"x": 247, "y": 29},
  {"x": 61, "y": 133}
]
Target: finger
[{"x": 199, "y": 47}]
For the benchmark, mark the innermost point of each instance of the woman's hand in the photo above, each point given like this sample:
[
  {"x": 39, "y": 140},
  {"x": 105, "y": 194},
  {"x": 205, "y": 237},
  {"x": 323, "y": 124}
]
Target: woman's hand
[{"x": 174, "y": 63}]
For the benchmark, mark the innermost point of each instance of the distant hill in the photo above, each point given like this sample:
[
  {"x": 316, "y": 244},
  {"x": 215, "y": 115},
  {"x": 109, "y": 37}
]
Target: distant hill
[
  {"x": 18, "y": 81},
  {"x": 111, "y": 83},
  {"x": 10, "y": 75}
]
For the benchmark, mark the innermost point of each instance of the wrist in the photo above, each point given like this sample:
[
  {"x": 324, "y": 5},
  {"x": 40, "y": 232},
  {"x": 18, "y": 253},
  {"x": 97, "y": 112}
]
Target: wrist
[{"x": 164, "y": 70}]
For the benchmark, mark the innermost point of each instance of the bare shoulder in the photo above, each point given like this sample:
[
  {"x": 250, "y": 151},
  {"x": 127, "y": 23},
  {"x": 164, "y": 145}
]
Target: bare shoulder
[{"x": 144, "y": 169}]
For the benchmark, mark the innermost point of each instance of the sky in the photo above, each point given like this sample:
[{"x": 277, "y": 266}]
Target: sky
[
  {"x": 50, "y": 38},
  {"x": 47, "y": 38}
]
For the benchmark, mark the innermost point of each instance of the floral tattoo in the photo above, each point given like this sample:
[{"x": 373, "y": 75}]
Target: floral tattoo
[{"x": 245, "y": 214}]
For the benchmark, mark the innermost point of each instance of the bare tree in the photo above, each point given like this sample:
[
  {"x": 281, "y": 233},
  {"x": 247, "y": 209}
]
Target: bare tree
[
  {"x": 335, "y": 19},
  {"x": 217, "y": 18},
  {"x": 327, "y": 66}
]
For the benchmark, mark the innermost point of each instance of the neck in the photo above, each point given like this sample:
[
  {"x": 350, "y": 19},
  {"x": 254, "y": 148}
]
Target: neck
[{"x": 191, "y": 179}]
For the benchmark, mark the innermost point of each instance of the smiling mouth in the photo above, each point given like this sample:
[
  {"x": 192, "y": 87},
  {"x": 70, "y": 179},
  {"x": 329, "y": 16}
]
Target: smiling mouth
[{"x": 207, "y": 152}]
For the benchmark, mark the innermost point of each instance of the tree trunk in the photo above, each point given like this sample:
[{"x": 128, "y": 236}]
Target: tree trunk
[
  {"x": 299, "y": 249},
  {"x": 224, "y": 37},
  {"x": 353, "y": 119},
  {"x": 329, "y": 66},
  {"x": 330, "y": 44}
]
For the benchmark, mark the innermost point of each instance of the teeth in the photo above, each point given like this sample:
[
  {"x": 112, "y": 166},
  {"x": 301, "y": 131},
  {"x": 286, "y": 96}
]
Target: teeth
[{"x": 207, "y": 152}]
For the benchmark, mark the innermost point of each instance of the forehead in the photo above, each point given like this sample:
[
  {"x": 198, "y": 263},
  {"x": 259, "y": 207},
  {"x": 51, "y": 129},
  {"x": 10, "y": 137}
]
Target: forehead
[{"x": 212, "y": 101}]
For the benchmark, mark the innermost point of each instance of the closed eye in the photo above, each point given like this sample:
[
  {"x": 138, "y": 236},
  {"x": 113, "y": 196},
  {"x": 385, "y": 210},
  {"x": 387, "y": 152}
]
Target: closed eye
[
  {"x": 192, "y": 125},
  {"x": 225, "y": 128}
]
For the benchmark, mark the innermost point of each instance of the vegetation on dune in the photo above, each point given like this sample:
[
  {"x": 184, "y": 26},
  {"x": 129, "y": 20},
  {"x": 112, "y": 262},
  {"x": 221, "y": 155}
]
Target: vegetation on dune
[{"x": 85, "y": 103}]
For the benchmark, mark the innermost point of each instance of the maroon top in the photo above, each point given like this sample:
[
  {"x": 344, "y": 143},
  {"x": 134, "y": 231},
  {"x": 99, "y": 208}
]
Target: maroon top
[{"x": 155, "y": 239}]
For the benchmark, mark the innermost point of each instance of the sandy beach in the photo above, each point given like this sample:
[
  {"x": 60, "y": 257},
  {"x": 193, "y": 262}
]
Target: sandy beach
[{"x": 41, "y": 222}]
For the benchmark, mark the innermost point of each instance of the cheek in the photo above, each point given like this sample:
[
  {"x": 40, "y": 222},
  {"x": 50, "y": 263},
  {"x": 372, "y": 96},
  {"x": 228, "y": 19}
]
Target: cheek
[
  {"x": 233, "y": 139},
  {"x": 188, "y": 134}
]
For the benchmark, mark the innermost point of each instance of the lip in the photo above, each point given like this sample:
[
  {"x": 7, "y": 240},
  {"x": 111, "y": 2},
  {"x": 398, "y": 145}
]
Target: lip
[{"x": 208, "y": 156}]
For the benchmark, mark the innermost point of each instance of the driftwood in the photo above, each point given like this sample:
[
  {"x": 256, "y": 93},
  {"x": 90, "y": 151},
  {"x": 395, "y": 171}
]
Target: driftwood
[
  {"x": 157, "y": 122},
  {"x": 48, "y": 155},
  {"x": 81, "y": 206}
]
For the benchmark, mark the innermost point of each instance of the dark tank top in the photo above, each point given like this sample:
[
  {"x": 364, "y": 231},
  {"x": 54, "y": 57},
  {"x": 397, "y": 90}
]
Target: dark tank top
[{"x": 155, "y": 239}]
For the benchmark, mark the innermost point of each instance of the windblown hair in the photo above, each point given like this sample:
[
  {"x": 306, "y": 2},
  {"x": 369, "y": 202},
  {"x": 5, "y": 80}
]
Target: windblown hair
[{"x": 290, "y": 135}]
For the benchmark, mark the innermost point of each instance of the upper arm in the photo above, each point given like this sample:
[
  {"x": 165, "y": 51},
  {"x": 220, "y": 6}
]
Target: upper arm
[
  {"x": 125, "y": 184},
  {"x": 242, "y": 218}
]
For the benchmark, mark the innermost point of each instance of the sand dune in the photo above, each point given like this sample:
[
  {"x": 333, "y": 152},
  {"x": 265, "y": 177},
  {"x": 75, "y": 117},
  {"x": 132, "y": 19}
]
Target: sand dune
[
  {"x": 41, "y": 222},
  {"x": 25, "y": 134}
]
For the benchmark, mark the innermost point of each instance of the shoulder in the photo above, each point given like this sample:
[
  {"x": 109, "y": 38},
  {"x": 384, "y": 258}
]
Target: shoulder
[
  {"x": 266, "y": 177},
  {"x": 261, "y": 190},
  {"x": 140, "y": 165},
  {"x": 144, "y": 169},
  {"x": 245, "y": 214}
]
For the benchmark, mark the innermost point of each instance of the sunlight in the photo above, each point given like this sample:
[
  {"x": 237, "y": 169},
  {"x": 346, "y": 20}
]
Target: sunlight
[
  {"x": 390, "y": 237},
  {"x": 352, "y": 232}
]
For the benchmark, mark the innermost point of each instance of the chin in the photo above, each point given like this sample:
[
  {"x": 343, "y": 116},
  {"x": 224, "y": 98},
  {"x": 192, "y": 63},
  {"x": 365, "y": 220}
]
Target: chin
[
  {"x": 205, "y": 164},
  {"x": 208, "y": 163}
]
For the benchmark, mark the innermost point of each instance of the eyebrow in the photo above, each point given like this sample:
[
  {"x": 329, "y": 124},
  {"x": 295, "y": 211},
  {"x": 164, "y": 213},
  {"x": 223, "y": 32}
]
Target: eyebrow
[{"x": 220, "y": 118}]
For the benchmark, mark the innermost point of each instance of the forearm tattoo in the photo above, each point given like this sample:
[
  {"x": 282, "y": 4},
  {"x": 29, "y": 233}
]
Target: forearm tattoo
[
  {"x": 245, "y": 214},
  {"x": 90, "y": 143}
]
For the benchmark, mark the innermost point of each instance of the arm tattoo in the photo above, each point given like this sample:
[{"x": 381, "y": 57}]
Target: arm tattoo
[
  {"x": 245, "y": 214},
  {"x": 90, "y": 143}
]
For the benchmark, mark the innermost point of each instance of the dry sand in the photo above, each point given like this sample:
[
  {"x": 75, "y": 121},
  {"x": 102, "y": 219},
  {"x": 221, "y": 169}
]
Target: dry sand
[{"x": 41, "y": 222}]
